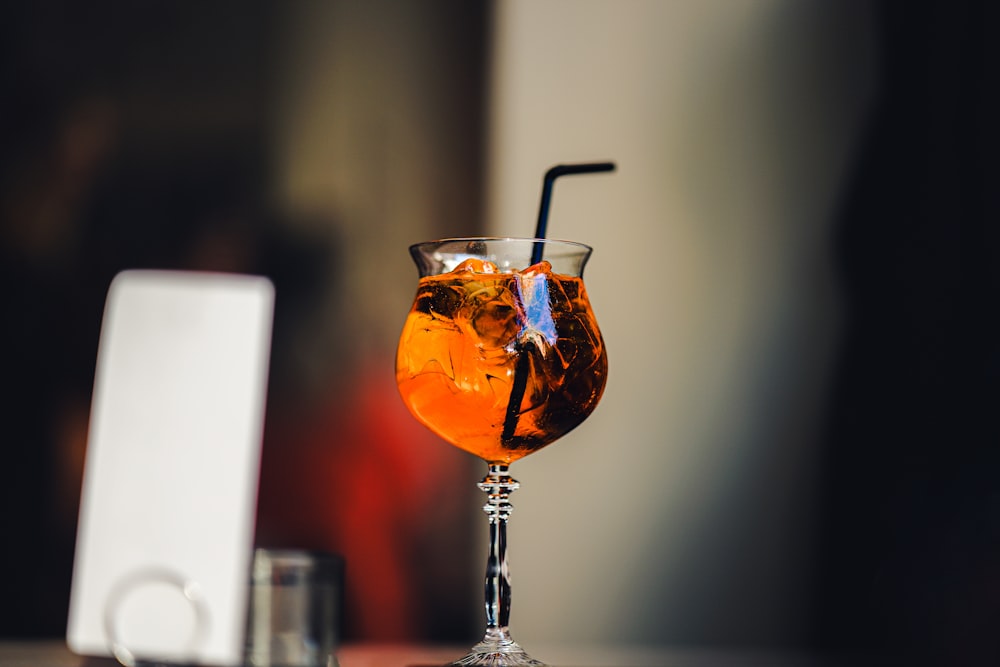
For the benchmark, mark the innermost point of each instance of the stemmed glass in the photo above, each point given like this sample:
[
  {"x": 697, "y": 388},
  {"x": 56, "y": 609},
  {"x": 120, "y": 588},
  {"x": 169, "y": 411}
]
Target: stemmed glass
[{"x": 500, "y": 355}]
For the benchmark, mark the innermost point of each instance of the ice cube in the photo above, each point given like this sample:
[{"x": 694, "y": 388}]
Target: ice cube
[
  {"x": 577, "y": 345},
  {"x": 541, "y": 267},
  {"x": 476, "y": 265},
  {"x": 533, "y": 292},
  {"x": 491, "y": 314},
  {"x": 438, "y": 299}
]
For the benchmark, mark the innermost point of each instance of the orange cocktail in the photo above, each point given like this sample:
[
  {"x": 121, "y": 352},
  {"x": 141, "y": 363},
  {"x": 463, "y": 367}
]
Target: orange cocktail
[
  {"x": 500, "y": 355},
  {"x": 468, "y": 334}
]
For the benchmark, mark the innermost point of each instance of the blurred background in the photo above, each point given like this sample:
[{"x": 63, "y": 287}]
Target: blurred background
[{"x": 794, "y": 270}]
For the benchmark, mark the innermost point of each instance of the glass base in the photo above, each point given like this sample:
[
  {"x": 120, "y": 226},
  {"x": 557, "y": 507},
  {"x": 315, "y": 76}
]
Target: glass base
[{"x": 497, "y": 650}]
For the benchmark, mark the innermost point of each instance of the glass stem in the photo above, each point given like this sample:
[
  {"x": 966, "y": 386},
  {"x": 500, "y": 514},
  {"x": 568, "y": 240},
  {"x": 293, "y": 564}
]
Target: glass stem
[{"x": 498, "y": 486}]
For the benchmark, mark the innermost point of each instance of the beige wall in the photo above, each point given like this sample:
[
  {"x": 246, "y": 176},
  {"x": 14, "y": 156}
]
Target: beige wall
[
  {"x": 377, "y": 135},
  {"x": 680, "y": 511}
]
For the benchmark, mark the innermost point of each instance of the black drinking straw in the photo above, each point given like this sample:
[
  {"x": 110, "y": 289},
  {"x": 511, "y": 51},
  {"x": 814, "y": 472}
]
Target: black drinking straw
[
  {"x": 543, "y": 208},
  {"x": 522, "y": 369}
]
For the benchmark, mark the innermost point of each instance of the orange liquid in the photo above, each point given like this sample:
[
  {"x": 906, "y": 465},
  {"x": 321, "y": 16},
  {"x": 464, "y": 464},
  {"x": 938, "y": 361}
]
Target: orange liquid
[{"x": 471, "y": 332}]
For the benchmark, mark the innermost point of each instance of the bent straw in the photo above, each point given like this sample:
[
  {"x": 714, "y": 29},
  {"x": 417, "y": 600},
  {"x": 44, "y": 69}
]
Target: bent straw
[
  {"x": 547, "y": 182},
  {"x": 522, "y": 369}
]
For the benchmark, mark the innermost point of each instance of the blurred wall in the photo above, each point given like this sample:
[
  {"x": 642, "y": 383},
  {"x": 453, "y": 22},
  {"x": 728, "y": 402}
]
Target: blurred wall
[
  {"x": 681, "y": 511},
  {"x": 378, "y": 127},
  {"x": 377, "y": 141}
]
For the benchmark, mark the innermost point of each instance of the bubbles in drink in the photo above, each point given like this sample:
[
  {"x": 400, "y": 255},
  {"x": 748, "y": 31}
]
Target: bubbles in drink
[{"x": 473, "y": 330}]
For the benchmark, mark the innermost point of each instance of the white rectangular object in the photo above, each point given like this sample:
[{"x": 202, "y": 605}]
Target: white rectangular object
[{"x": 165, "y": 537}]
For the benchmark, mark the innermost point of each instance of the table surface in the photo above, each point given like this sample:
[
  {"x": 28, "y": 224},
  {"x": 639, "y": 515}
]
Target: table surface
[{"x": 55, "y": 654}]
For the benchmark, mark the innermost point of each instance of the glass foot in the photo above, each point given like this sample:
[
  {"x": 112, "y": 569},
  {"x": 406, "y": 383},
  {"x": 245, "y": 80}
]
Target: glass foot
[{"x": 498, "y": 650}]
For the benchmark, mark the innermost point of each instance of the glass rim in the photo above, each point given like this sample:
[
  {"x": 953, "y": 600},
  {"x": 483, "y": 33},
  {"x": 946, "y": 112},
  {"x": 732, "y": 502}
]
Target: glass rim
[{"x": 487, "y": 239}]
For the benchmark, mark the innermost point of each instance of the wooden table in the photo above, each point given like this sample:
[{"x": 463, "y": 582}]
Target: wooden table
[{"x": 55, "y": 654}]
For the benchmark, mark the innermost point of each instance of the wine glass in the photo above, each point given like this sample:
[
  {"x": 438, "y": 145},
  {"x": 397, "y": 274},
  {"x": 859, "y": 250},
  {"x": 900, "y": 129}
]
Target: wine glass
[{"x": 500, "y": 355}]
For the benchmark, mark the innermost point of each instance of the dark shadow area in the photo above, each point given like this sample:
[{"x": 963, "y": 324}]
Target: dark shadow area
[
  {"x": 910, "y": 527},
  {"x": 140, "y": 135},
  {"x": 119, "y": 151}
]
